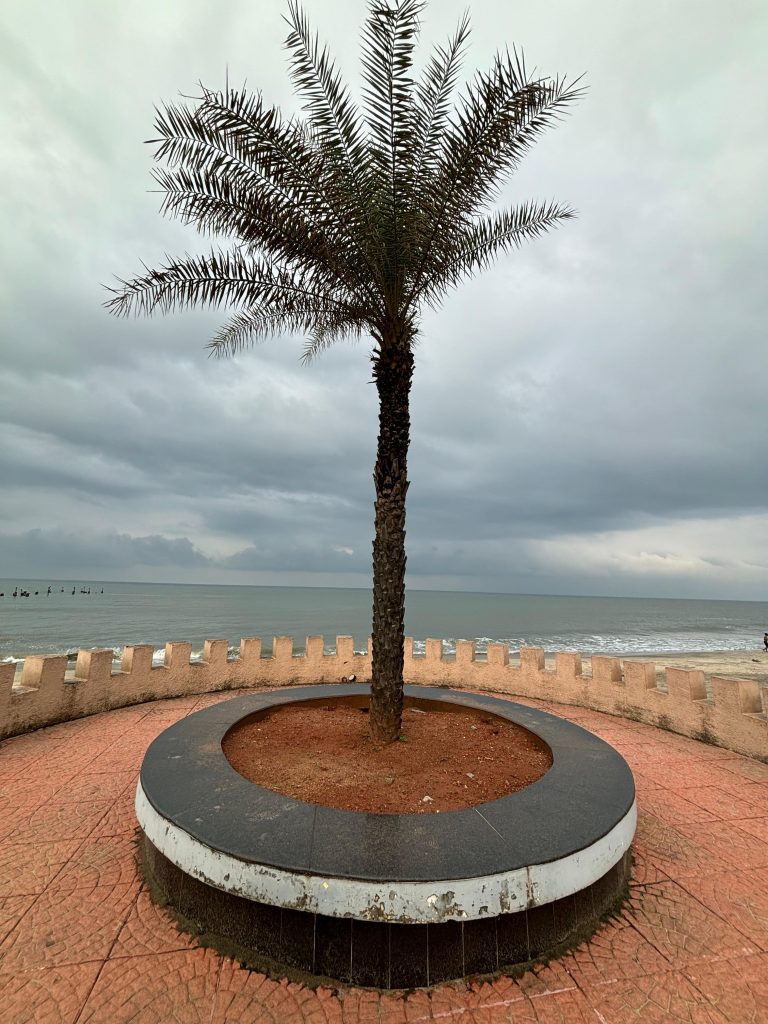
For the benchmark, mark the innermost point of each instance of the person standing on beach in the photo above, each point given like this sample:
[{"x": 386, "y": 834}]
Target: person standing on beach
[{"x": 765, "y": 642}]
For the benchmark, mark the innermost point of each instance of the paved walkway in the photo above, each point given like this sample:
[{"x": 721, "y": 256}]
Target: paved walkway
[{"x": 81, "y": 941}]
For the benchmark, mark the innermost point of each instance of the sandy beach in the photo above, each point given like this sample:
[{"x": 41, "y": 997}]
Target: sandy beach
[
  {"x": 734, "y": 664},
  {"x": 737, "y": 664}
]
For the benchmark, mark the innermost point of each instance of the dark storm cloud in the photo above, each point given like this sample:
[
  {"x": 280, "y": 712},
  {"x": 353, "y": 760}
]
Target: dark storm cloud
[
  {"x": 54, "y": 550},
  {"x": 589, "y": 415}
]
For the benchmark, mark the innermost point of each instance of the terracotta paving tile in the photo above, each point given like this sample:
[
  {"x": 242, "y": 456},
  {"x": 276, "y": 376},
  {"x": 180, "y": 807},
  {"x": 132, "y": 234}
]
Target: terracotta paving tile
[
  {"x": 156, "y": 723},
  {"x": 12, "y": 910},
  {"x": 698, "y": 903},
  {"x": 104, "y": 861},
  {"x": 175, "y": 708},
  {"x": 120, "y": 820},
  {"x": 671, "y": 851},
  {"x": 391, "y": 1010},
  {"x": 58, "y": 821},
  {"x": 710, "y": 752},
  {"x": 52, "y": 995},
  {"x": 124, "y": 757},
  {"x": 644, "y": 867},
  {"x": 684, "y": 746},
  {"x": 21, "y": 751},
  {"x": 728, "y": 805},
  {"x": 745, "y": 789},
  {"x": 67, "y": 927},
  {"x": 757, "y": 794},
  {"x": 41, "y": 739},
  {"x": 132, "y": 713},
  {"x": 757, "y": 827},
  {"x": 617, "y": 951},
  {"x": 674, "y": 808},
  {"x": 504, "y": 1001},
  {"x": 740, "y": 898},
  {"x": 67, "y": 766},
  {"x": 545, "y": 979},
  {"x": 27, "y": 869},
  {"x": 178, "y": 987},
  {"x": 730, "y": 843},
  {"x": 657, "y": 999},
  {"x": 150, "y": 929},
  {"x": 13, "y": 818},
  {"x": 646, "y": 787},
  {"x": 94, "y": 786},
  {"x": 17, "y": 757},
  {"x": 359, "y": 1006},
  {"x": 687, "y": 774},
  {"x": 570, "y": 1007},
  {"x": 245, "y": 997},
  {"x": 640, "y": 754},
  {"x": 207, "y": 700},
  {"x": 29, "y": 792},
  {"x": 738, "y": 988},
  {"x": 746, "y": 768},
  {"x": 681, "y": 928}
]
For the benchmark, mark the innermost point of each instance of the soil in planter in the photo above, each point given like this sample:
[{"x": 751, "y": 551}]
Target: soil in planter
[{"x": 323, "y": 754}]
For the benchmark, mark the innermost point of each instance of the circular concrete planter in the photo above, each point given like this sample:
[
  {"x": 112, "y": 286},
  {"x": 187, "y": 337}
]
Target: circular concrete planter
[{"x": 386, "y": 900}]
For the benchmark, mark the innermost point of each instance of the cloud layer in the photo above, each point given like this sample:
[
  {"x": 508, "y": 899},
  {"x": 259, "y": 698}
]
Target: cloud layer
[{"x": 588, "y": 417}]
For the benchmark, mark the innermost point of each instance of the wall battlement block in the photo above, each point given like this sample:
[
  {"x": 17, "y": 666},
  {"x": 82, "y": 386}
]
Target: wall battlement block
[
  {"x": 497, "y": 655},
  {"x": 568, "y": 665},
  {"x": 639, "y": 678},
  {"x": 178, "y": 656},
  {"x": 250, "y": 649},
  {"x": 433, "y": 650},
  {"x": 94, "y": 666},
  {"x": 345, "y": 648},
  {"x": 686, "y": 684},
  {"x": 44, "y": 672},
  {"x": 606, "y": 670},
  {"x": 137, "y": 659},
  {"x": 215, "y": 653},
  {"x": 465, "y": 652},
  {"x": 532, "y": 659}
]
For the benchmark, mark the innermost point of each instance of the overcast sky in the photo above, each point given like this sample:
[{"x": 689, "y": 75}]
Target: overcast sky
[{"x": 588, "y": 417}]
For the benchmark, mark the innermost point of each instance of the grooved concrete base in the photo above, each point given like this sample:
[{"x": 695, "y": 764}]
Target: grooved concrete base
[{"x": 379, "y": 954}]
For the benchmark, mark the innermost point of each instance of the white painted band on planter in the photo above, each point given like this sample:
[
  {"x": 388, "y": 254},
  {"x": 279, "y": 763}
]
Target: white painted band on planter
[{"x": 461, "y": 899}]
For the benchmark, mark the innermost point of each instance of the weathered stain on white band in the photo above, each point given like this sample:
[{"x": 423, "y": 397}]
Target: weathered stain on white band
[{"x": 462, "y": 899}]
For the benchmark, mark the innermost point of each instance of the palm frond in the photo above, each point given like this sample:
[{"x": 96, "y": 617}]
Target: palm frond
[
  {"x": 433, "y": 93},
  {"x": 231, "y": 144},
  {"x": 500, "y": 117},
  {"x": 231, "y": 278},
  {"x": 503, "y": 113},
  {"x": 335, "y": 123},
  {"x": 389, "y": 37},
  {"x": 325, "y": 333},
  {"x": 247, "y": 327},
  {"x": 477, "y": 247}
]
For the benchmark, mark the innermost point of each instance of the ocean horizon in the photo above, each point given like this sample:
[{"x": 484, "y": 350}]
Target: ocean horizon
[{"x": 155, "y": 613}]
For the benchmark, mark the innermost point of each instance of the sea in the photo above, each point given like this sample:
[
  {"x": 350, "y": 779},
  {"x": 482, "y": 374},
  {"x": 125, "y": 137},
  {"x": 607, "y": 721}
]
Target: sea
[{"x": 79, "y": 614}]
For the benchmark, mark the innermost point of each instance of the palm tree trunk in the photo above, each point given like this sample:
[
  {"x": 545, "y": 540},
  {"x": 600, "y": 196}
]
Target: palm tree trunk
[{"x": 393, "y": 369}]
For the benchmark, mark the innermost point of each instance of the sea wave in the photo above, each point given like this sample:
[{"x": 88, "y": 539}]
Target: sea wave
[{"x": 617, "y": 645}]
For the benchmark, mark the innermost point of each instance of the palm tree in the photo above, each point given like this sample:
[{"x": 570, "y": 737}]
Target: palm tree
[{"x": 348, "y": 221}]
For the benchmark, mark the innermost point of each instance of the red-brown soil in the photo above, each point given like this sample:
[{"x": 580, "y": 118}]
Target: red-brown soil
[{"x": 323, "y": 754}]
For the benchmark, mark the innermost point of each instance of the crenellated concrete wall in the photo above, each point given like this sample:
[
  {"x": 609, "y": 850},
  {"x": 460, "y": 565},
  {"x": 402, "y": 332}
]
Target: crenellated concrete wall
[{"x": 735, "y": 716}]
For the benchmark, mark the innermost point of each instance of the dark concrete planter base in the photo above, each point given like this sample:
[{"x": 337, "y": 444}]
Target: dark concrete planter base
[
  {"x": 388, "y": 901},
  {"x": 322, "y": 950}
]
